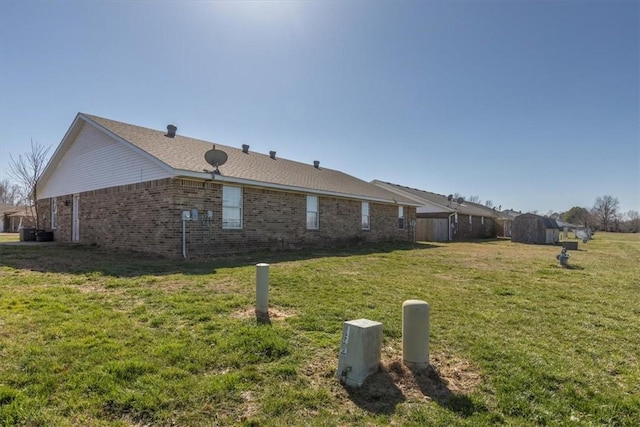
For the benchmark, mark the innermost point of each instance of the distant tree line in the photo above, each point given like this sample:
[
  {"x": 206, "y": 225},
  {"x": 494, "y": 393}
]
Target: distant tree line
[
  {"x": 9, "y": 193},
  {"x": 605, "y": 215}
]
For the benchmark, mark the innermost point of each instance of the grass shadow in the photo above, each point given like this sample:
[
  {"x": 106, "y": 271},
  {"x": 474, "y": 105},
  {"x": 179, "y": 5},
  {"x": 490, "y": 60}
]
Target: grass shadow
[
  {"x": 571, "y": 267},
  {"x": 378, "y": 394},
  {"x": 84, "y": 259},
  {"x": 432, "y": 385},
  {"x": 262, "y": 318}
]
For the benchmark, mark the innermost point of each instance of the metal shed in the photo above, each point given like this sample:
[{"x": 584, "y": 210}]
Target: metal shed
[{"x": 532, "y": 228}]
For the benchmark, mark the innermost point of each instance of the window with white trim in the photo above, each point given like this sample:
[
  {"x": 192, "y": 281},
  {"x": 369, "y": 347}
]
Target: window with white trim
[
  {"x": 231, "y": 207},
  {"x": 54, "y": 213},
  {"x": 366, "y": 224},
  {"x": 401, "y": 217},
  {"x": 313, "y": 222}
]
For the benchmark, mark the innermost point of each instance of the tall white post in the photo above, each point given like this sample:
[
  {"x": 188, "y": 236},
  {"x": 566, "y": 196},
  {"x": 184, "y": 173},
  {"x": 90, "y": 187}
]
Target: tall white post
[
  {"x": 262, "y": 290},
  {"x": 415, "y": 334}
]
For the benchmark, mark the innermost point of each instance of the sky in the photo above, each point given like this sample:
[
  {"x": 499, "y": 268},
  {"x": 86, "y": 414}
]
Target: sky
[{"x": 534, "y": 105}]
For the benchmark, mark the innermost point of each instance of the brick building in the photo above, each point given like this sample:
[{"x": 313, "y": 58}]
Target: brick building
[
  {"x": 442, "y": 218},
  {"x": 127, "y": 187}
]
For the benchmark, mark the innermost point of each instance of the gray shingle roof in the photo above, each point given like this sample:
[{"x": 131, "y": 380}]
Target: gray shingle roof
[
  {"x": 11, "y": 210},
  {"x": 550, "y": 223},
  {"x": 186, "y": 154},
  {"x": 427, "y": 197}
]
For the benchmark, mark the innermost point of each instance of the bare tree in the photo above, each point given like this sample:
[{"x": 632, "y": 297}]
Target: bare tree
[
  {"x": 489, "y": 204},
  {"x": 605, "y": 209},
  {"x": 9, "y": 193},
  {"x": 634, "y": 219},
  {"x": 552, "y": 214},
  {"x": 26, "y": 170},
  {"x": 473, "y": 199}
]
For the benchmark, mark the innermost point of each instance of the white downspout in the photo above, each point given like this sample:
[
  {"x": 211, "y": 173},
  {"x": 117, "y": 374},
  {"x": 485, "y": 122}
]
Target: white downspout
[
  {"x": 184, "y": 238},
  {"x": 450, "y": 227}
]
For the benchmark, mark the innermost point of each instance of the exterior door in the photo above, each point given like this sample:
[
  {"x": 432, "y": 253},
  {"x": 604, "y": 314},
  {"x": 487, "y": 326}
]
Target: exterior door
[{"x": 75, "y": 219}]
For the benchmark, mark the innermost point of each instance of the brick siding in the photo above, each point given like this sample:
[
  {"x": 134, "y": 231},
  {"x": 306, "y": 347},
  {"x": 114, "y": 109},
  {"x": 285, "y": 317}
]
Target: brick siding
[{"x": 146, "y": 217}]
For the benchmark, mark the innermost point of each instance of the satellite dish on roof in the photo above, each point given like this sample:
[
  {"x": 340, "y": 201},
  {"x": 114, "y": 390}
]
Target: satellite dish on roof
[
  {"x": 459, "y": 200},
  {"x": 216, "y": 158}
]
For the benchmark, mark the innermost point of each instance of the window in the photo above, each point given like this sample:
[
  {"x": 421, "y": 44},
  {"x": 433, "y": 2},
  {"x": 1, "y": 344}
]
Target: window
[
  {"x": 54, "y": 213},
  {"x": 312, "y": 213},
  {"x": 470, "y": 223},
  {"x": 401, "y": 217},
  {"x": 231, "y": 207},
  {"x": 482, "y": 220},
  {"x": 365, "y": 216}
]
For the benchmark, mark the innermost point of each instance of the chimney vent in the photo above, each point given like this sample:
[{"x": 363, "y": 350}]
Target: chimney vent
[
  {"x": 316, "y": 164},
  {"x": 171, "y": 131},
  {"x": 245, "y": 148},
  {"x": 272, "y": 154}
]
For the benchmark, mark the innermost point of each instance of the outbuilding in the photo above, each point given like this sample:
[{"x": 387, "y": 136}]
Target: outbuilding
[
  {"x": 532, "y": 228},
  {"x": 441, "y": 218}
]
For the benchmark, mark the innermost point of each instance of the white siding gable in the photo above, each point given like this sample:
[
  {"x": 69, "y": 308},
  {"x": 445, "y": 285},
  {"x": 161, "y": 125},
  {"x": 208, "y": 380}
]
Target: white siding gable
[{"x": 96, "y": 160}]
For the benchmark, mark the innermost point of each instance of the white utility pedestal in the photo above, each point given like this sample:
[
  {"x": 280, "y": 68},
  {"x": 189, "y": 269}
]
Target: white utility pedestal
[
  {"x": 359, "y": 351},
  {"x": 262, "y": 289},
  {"x": 415, "y": 334}
]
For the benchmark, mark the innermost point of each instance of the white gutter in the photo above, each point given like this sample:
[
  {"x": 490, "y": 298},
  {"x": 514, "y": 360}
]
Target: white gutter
[
  {"x": 184, "y": 239},
  {"x": 450, "y": 228},
  {"x": 450, "y": 232}
]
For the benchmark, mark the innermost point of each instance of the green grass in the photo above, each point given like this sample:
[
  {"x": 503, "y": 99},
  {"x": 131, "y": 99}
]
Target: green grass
[{"x": 89, "y": 337}]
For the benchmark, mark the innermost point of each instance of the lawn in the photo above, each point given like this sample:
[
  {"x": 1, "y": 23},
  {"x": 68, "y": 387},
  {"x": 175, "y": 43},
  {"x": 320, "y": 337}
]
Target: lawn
[{"x": 94, "y": 338}]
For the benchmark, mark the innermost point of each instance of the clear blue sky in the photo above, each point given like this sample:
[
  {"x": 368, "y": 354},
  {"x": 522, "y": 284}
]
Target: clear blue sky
[{"x": 531, "y": 104}]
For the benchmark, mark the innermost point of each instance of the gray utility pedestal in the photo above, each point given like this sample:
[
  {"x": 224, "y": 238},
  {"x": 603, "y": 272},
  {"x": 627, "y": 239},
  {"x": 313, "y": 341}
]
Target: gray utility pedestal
[
  {"x": 359, "y": 351},
  {"x": 570, "y": 245},
  {"x": 415, "y": 334}
]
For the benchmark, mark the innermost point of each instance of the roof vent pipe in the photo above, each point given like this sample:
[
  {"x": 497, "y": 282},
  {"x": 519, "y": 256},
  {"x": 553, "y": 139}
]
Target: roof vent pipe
[
  {"x": 245, "y": 148},
  {"x": 272, "y": 154},
  {"x": 316, "y": 164},
  {"x": 171, "y": 131}
]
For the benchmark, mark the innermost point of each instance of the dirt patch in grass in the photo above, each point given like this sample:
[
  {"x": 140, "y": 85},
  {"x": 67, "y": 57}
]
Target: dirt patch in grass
[
  {"x": 251, "y": 408},
  {"x": 447, "y": 381},
  {"x": 446, "y": 376},
  {"x": 274, "y": 313}
]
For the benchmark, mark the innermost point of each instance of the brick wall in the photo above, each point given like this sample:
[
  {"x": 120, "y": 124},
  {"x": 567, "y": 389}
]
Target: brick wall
[
  {"x": 147, "y": 217},
  {"x": 476, "y": 229}
]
